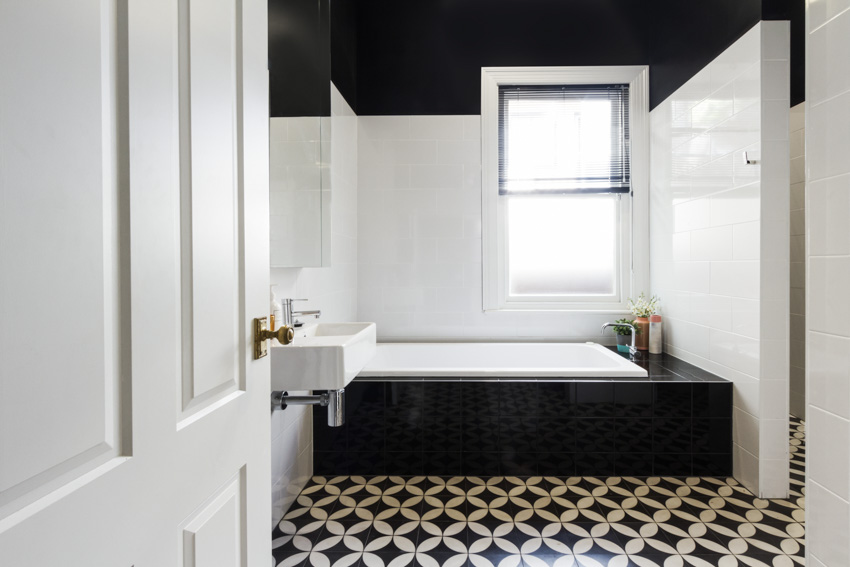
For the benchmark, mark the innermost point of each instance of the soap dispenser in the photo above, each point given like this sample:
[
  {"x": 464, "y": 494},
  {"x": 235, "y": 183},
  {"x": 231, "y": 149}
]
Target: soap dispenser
[{"x": 275, "y": 309}]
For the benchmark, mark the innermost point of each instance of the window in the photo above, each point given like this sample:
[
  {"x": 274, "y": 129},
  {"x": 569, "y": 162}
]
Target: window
[{"x": 560, "y": 219}]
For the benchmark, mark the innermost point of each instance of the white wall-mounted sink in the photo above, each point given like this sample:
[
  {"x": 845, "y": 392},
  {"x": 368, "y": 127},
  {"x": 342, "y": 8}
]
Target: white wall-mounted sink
[{"x": 323, "y": 356}]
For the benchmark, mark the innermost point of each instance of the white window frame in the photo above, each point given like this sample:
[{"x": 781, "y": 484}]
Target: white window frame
[{"x": 633, "y": 243}]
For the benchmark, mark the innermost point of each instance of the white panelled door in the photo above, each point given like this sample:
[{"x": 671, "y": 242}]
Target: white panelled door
[{"x": 134, "y": 424}]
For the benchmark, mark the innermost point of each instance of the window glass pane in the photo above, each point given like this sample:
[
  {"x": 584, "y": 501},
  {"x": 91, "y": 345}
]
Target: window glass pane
[
  {"x": 552, "y": 140},
  {"x": 563, "y": 246}
]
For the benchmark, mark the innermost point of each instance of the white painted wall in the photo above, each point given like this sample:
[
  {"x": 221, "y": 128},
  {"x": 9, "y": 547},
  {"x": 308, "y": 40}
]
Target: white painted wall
[
  {"x": 828, "y": 269},
  {"x": 797, "y": 385},
  {"x": 719, "y": 244},
  {"x": 419, "y": 218},
  {"x": 332, "y": 289}
]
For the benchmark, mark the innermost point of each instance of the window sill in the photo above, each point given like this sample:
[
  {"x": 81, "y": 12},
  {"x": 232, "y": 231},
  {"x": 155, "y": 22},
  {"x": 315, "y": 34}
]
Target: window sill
[{"x": 558, "y": 309}]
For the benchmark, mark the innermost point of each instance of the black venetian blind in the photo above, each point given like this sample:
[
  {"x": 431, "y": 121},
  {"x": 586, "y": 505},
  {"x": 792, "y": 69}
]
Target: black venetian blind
[{"x": 563, "y": 139}]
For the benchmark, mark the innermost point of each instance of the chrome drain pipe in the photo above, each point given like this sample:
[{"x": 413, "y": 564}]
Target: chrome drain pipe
[
  {"x": 334, "y": 400},
  {"x": 336, "y": 407}
]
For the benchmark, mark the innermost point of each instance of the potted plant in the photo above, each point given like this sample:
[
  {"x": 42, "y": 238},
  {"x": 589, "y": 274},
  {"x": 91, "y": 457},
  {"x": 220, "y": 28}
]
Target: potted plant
[
  {"x": 624, "y": 334},
  {"x": 642, "y": 308}
]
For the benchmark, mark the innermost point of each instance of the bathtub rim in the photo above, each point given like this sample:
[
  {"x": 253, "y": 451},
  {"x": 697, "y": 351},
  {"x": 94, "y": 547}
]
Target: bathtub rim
[{"x": 621, "y": 368}]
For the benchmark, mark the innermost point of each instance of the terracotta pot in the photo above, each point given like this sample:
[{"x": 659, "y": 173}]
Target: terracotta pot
[{"x": 642, "y": 339}]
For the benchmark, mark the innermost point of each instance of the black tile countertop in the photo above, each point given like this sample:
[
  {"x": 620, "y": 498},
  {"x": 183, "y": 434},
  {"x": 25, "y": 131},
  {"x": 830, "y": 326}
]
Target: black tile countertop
[
  {"x": 667, "y": 368},
  {"x": 659, "y": 368}
]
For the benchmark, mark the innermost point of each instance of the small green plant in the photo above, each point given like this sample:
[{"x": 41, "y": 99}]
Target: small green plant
[
  {"x": 643, "y": 306},
  {"x": 626, "y": 330}
]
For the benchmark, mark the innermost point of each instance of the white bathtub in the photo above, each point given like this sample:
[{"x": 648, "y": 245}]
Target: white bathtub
[{"x": 498, "y": 360}]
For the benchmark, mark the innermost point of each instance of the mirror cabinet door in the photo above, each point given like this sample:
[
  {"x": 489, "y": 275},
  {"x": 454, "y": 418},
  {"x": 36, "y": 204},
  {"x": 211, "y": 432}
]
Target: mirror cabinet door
[
  {"x": 299, "y": 133},
  {"x": 298, "y": 184}
]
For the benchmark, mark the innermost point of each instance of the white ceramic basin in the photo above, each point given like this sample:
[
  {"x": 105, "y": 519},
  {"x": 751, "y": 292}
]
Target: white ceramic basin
[{"x": 323, "y": 356}]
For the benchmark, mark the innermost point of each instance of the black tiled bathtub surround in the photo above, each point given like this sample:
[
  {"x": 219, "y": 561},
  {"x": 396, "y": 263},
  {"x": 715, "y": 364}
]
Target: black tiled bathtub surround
[{"x": 675, "y": 422}]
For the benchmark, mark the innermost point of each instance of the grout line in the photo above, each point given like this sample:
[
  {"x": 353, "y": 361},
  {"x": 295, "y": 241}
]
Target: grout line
[
  {"x": 827, "y": 22},
  {"x": 716, "y": 329},
  {"x": 809, "y": 479},
  {"x": 826, "y": 100},
  {"x": 815, "y": 180},
  {"x": 820, "y": 409},
  {"x": 826, "y": 334}
]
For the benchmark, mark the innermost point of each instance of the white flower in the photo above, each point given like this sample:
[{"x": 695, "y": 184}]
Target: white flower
[{"x": 643, "y": 306}]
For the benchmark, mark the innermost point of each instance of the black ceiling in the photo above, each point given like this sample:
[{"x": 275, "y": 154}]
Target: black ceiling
[{"x": 425, "y": 56}]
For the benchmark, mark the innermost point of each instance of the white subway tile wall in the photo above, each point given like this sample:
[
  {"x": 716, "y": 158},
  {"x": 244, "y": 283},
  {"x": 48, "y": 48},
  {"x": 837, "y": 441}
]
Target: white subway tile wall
[
  {"x": 719, "y": 237},
  {"x": 827, "y": 230},
  {"x": 797, "y": 141},
  {"x": 419, "y": 245},
  {"x": 332, "y": 289}
]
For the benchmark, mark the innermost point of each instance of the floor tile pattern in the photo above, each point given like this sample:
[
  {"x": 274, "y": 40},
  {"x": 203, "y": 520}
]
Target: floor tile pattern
[{"x": 394, "y": 521}]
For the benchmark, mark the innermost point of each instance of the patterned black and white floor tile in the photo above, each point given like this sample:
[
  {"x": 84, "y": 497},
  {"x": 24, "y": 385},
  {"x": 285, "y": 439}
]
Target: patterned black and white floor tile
[{"x": 394, "y": 521}]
